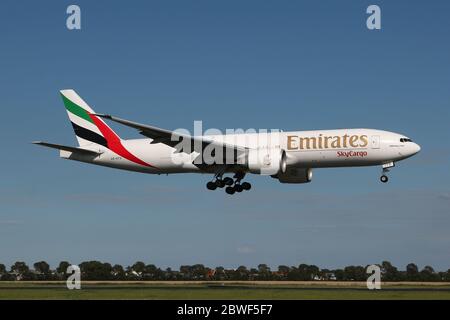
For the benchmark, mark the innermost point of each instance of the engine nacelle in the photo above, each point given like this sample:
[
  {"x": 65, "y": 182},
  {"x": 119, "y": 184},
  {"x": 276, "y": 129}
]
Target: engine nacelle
[
  {"x": 295, "y": 175},
  {"x": 266, "y": 161}
]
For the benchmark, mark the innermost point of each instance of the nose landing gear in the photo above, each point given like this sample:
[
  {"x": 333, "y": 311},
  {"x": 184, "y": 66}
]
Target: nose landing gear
[{"x": 384, "y": 178}]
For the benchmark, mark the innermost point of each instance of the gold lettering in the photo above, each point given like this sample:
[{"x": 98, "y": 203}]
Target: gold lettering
[
  {"x": 308, "y": 143},
  {"x": 326, "y": 142},
  {"x": 336, "y": 143},
  {"x": 353, "y": 140},
  {"x": 364, "y": 140},
  {"x": 321, "y": 142},
  {"x": 345, "y": 140},
  {"x": 290, "y": 143}
]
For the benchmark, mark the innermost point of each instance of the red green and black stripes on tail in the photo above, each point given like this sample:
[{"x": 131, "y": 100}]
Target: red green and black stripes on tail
[
  {"x": 114, "y": 142},
  {"x": 91, "y": 129},
  {"x": 89, "y": 135},
  {"x": 76, "y": 109}
]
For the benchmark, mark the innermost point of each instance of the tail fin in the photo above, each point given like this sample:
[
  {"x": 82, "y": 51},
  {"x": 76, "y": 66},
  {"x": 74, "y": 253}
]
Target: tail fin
[{"x": 88, "y": 127}]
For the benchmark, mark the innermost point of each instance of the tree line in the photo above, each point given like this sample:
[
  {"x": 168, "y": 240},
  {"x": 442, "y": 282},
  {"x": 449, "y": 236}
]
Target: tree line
[{"x": 96, "y": 270}]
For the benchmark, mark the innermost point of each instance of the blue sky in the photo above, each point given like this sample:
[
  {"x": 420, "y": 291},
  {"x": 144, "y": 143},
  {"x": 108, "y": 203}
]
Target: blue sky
[{"x": 293, "y": 65}]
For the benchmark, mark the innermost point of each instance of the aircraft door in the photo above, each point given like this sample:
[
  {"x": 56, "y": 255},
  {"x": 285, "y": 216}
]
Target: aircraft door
[{"x": 375, "y": 142}]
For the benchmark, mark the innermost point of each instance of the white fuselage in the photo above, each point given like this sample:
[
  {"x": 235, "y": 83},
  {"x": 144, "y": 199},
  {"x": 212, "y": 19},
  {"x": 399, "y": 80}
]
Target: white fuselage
[{"x": 304, "y": 149}]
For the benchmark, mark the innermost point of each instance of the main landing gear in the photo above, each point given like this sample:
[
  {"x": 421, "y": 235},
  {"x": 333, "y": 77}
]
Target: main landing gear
[
  {"x": 384, "y": 178},
  {"x": 232, "y": 186},
  {"x": 219, "y": 183}
]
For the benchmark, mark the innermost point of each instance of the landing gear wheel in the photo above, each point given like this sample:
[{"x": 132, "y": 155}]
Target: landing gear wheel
[
  {"x": 211, "y": 185},
  {"x": 230, "y": 190},
  {"x": 228, "y": 181},
  {"x": 246, "y": 185},
  {"x": 238, "y": 188},
  {"x": 384, "y": 178},
  {"x": 220, "y": 183}
]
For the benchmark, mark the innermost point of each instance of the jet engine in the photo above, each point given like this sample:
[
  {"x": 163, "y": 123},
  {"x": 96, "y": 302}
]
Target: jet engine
[
  {"x": 266, "y": 161},
  {"x": 294, "y": 175}
]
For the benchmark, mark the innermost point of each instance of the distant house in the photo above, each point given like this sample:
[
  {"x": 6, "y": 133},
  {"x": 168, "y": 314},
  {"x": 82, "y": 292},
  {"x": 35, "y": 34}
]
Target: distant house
[
  {"x": 17, "y": 276},
  {"x": 325, "y": 277}
]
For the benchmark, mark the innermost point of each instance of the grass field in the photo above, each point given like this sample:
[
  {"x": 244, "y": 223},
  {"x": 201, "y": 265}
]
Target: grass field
[{"x": 219, "y": 290}]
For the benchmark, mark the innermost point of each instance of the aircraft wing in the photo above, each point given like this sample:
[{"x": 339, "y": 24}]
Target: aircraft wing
[{"x": 173, "y": 138}]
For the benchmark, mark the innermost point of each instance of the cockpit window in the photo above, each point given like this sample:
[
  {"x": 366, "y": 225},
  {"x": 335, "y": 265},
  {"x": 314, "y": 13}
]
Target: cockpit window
[{"x": 405, "y": 140}]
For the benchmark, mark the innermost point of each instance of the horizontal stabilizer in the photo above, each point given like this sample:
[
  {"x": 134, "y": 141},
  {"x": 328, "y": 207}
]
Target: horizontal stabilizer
[{"x": 67, "y": 148}]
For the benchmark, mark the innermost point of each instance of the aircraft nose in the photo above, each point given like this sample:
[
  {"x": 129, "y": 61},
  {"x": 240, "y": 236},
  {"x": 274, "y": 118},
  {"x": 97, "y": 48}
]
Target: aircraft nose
[{"x": 416, "y": 148}]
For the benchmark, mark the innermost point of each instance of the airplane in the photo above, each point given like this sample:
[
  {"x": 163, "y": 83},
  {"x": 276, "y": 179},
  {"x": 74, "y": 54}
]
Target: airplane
[{"x": 288, "y": 157}]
